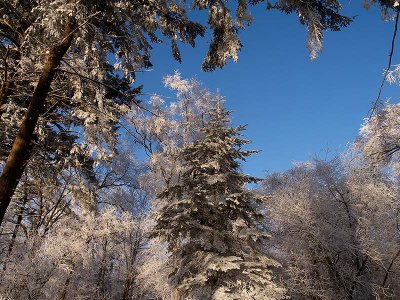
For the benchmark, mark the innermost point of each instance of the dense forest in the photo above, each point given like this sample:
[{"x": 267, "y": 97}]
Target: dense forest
[{"x": 108, "y": 193}]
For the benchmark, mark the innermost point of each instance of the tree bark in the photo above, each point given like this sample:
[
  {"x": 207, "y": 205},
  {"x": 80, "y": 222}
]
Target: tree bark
[
  {"x": 128, "y": 285},
  {"x": 17, "y": 225},
  {"x": 5, "y": 87},
  {"x": 389, "y": 268},
  {"x": 67, "y": 282},
  {"x": 4, "y": 93},
  {"x": 24, "y": 142}
]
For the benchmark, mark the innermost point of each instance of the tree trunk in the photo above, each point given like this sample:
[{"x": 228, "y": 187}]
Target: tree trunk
[
  {"x": 17, "y": 225},
  {"x": 67, "y": 282},
  {"x": 5, "y": 87},
  {"x": 134, "y": 250},
  {"x": 389, "y": 269},
  {"x": 24, "y": 142},
  {"x": 128, "y": 285}
]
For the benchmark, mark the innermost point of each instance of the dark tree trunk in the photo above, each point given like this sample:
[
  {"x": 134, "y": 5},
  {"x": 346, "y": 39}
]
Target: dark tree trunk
[
  {"x": 128, "y": 285},
  {"x": 130, "y": 279},
  {"x": 24, "y": 142},
  {"x": 6, "y": 84},
  {"x": 5, "y": 88},
  {"x": 17, "y": 225},
  {"x": 389, "y": 269},
  {"x": 67, "y": 282}
]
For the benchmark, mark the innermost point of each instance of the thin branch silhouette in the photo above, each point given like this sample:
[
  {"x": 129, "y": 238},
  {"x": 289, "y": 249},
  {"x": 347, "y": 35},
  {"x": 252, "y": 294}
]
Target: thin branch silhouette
[{"x": 373, "y": 109}]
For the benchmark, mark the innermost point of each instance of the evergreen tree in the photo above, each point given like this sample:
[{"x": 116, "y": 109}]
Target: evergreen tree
[{"x": 210, "y": 221}]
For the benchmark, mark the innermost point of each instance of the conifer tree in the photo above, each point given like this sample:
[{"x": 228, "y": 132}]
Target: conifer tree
[{"x": 210, "y": 221}]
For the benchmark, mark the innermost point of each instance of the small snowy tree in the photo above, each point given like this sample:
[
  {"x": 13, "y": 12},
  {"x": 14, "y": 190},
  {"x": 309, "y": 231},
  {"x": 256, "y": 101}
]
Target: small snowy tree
[{"x": 210, "y": 221}]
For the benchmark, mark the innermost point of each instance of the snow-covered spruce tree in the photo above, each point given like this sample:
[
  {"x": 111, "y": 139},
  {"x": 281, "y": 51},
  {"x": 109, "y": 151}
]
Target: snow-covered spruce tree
[{"x": 210, "y": 221}]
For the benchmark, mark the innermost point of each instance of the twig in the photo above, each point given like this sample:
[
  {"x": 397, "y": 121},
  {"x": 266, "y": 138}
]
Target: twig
[{"x": 373, "y": 109}]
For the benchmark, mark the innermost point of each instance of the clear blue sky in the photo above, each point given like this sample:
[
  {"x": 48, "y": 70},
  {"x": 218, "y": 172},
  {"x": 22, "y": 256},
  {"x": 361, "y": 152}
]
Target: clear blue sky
[{"x": 295, "y": 108}]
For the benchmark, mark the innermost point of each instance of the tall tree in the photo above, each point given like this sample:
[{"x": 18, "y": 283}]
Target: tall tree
[
  {"x": 210, "y": 221},
  {"x": 63, "y": 63}
]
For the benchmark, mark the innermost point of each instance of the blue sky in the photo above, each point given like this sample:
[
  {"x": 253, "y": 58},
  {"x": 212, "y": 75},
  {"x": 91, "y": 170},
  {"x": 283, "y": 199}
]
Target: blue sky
[{"x": 295, "y": 108}]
